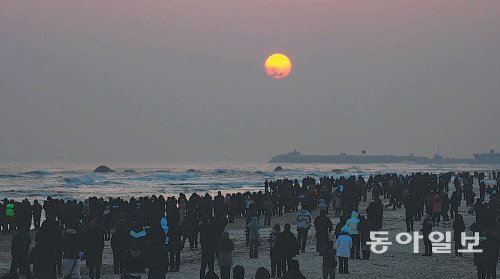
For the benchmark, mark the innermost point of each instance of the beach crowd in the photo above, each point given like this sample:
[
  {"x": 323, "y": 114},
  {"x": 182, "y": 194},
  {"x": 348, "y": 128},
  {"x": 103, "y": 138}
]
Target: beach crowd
[{"x": 148, "y": 234}]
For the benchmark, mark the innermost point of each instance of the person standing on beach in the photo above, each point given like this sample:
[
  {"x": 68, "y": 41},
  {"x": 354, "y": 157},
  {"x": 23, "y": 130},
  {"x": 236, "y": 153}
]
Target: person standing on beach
[
  {"x": 323, "y": 227},
  {"x": 37, "y": 214},
  {"x": 43, "y": 258},
  {"x": 344, "y": 245},
  {"x": 426, "y": 231},
  {"x": 94, "y": 246},
  {"x": 409, "y": 203},
  {"x": 436, "y": 209},
  {"x": 454, "y": 203},
  {"x": 374, "y": 213},
  {"x": 329, "y": 262},
  {"x": 174, "y": 245},
  {"x": 208, "y": 241},
  {"x": 155, "y": 256},
  {"x": 352, "y": 225},
  {"x": 273, "y": 253},
  {"x": 20, "y": 250},
  {"x": 364, "y": 234},
  {"x": 458, "y": 229},
  {"x": 303, "y": 225},
  {"x": 72, "y": 247},
  {"x": 225, "y": 250},
  {"x": 286, "y": 247},
  {"x": 268, "y": 209},
  {"x": 253, "y": 237},
  {"x": 119, "y": 245}
]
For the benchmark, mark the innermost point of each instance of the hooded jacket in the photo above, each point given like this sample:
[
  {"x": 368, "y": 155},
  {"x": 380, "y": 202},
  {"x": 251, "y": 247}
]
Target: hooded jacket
[
  {"x": 303, "y": 219},
  {"x": 352, "y": 223},
  {"x": 344, "y": 243}
]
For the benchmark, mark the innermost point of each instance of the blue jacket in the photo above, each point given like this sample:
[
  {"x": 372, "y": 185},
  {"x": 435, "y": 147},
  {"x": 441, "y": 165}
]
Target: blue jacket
[{"x": 344, "y": 243}]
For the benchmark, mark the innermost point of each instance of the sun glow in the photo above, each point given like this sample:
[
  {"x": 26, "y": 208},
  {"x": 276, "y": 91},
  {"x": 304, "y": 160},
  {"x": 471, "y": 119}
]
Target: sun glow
[{"x": 278, "y": 66}]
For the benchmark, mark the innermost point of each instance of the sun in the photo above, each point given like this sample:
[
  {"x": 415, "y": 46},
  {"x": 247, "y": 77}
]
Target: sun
[{"x": 278, "y": 66}]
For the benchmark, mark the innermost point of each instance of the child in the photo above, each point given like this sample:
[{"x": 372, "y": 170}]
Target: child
[{"x": 343, "y": 245}]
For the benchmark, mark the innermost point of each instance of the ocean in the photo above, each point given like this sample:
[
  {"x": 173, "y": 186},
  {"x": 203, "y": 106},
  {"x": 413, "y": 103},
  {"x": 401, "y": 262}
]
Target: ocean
[{"x": 78, "y": 181}]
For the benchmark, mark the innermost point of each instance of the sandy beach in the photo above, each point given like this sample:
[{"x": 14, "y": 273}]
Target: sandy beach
[{"x": 398, "y": 262}]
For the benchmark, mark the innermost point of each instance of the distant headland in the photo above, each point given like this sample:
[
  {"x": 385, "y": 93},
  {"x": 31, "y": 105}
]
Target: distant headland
[{"x": 343, "y": 158}]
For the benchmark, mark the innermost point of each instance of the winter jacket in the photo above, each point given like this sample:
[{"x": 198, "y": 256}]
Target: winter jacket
[
  {"x": 225, "y": 250},
  {"x": 94, "y": 246},
  {"x": 253, "y": 228},
  {"x": 43, "y": 258},
  {"x": 303, "y": 219},
  {"x": 352, "y": 223},
  {"x": 344, "y": 243},
  {"x": 323, "y": 224},
  {"x": 458, "y": 227},
  {"x": 72, "y": 244},
  {"x": 436, "y": 204},
  {"x": 20, "y": 245},
  {"x": 119, "y": 242},
  {"x": 427, "y": 225},
  {"x": 208, "y": 238},
  {"x": 286, "y": 245},
  {"x": 156, "y": 254},
  {"x": 174, "y": 235}
]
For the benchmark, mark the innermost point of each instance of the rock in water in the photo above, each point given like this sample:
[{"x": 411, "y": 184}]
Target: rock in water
[
  {"x": 278, "y": 168},
  {"x": 103, "y": 169}
]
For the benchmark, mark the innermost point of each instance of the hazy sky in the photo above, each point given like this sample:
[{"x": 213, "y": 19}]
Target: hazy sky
[{"x": 157, "y": 80}]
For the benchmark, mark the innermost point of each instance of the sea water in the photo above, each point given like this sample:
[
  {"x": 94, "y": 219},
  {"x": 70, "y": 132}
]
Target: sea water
[{"x": 78, "y": 181}]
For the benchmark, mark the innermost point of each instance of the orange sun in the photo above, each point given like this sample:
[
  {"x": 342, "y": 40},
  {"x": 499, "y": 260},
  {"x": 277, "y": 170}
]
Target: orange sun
[{"x": 278, "y": 66}]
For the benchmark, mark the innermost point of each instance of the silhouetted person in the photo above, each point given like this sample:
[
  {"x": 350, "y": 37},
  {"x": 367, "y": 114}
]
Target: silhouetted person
[
  {"x": 119, "y": 245},
  {"x": 323, "y": 227},
  {"x": 287, "y": 247},
  {"x": 352, "y": 225},
  {"x": 253, "y": 228},
  {"x": 155, "y": 255},
  {"x": 94, "y": 246},
  {"x": 273, "y": 252},
  {"x": 20, "y": 251},
  {"x": 458, "y": 229},
  {"x": 208, "y": 239},
  {"x": 303, "y": 225},
  {"x": 225, "y": 256},
  {"x": 426, "y": 231},
  {"x": 329, "y": 262}
]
